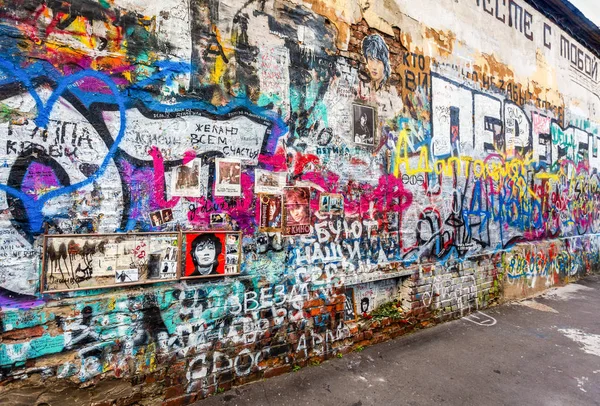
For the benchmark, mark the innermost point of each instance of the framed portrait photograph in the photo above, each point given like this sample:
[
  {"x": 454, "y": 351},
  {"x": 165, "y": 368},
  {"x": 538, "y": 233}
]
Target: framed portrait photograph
[
  {"x": 228, "y": 177},
  {"x": 363, "y": 128},
  {"x": 271, "y": 217},
  {"x": 296, "y": 219},
  {"x": 210, "y": 254}
]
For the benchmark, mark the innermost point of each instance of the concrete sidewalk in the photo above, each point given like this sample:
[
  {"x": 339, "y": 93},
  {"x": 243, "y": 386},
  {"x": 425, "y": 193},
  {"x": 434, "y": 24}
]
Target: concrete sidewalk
[{"x": 544, "y": 351}]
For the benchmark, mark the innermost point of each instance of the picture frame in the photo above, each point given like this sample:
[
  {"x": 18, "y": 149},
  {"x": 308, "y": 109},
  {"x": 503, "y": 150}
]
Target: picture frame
[
  {"x": 210, "y": 254},
  {"x": 364, "y": 120}
]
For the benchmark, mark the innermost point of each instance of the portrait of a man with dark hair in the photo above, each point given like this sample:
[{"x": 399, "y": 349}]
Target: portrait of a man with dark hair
[{"x": 205, "y": 252}]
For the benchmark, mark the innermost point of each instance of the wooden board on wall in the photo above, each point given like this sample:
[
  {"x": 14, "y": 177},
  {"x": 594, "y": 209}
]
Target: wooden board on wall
[{"x": 89, "y": 261}]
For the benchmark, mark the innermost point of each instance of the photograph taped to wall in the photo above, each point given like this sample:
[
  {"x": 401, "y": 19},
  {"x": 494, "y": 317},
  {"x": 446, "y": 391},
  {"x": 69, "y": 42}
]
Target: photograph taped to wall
[
  {"x": 89, "y": 261},
  {"x": 208, "y": 253},
  {"x": 296, "y": 220},
  {"x": 364, "y": 124},
  {"x": 270, "y": 213},
  {"x": 218, "y": 219},
  {"x": 186, "y": 180},
  {"x": 331, "y": 203},
  {"x": 167, "y": 215},
  {"x": 126, "y": 275},
  {"x": 228, "y": 177},
  {"x": 269, "y": 182},
  {"x": 168, "y": 269},
  {"x": 156, "y": 218}
]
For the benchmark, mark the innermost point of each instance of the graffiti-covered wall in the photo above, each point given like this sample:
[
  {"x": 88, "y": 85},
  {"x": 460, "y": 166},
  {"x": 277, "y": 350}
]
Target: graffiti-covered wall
[{"x": 196, "y": 194}]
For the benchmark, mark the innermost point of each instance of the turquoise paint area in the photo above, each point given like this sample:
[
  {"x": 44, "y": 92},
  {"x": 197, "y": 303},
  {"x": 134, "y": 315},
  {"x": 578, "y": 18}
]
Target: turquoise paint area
[{"x": 35, "y": 348}]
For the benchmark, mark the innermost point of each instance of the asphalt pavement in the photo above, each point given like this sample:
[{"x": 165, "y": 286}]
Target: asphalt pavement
[{"x": 543, "y": 351}]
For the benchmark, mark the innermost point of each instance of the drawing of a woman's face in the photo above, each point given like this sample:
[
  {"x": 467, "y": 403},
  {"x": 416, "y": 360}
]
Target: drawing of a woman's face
[{"x": 205, "y": 253}]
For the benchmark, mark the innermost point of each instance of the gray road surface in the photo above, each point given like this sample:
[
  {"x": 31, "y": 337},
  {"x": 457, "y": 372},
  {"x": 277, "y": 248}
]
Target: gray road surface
[{"x": 544, "y": 351}]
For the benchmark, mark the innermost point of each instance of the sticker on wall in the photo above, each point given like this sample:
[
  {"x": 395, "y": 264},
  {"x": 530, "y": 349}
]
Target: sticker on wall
[
  {"x": 364, "y": 124},
  {"x": 296, "y": 219},
  {"x": 228, "y": 177},
  {"x": 269, "y": 182},
  {"x": 331, "y": 203},
  {"x": 270, "y": 213},
  {"x": 212, "y": 254},
  {"x": 392, "y": 221},
  {"x": 186, "y": 180}
]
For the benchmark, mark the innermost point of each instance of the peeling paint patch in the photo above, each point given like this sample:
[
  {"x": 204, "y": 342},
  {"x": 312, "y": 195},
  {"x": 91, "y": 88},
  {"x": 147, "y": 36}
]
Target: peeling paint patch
[{"x": 590, "y": 342}]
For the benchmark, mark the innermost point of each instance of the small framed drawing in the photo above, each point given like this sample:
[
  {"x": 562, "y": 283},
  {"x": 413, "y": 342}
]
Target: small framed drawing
[
  {"x": 210, "y": 254},
  {"x": 364, "y": 119}
]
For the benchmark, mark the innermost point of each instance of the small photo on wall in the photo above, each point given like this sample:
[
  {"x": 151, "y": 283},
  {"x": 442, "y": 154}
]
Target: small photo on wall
[
  {"x": 156, "y": 218},
  {"x": 126, "y": 275},
  {"x": 296, "y": 220},
  {"x": 228, "y": 177},
  {"x": 330, "y": 203},
  {"x": 208, "y": 253},
  {"x": 270, "y": 213},
  {"x": 364, "y": 124},
  {"x": 168, "y": 269},
  {"x": 218, "y": 219},
  {"x": 167, "y": 215},
  {"x": 269, "y": 182},
  {"x": 186, "y": 180}
]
